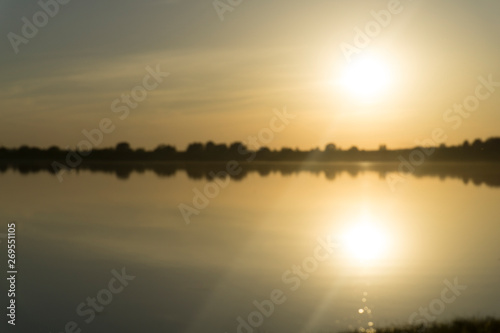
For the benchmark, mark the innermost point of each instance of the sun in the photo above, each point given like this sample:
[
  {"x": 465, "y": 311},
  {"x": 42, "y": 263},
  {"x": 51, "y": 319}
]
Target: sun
[
  {"x": 366, "y": 79},
  {"x": 365, "y": 241}
]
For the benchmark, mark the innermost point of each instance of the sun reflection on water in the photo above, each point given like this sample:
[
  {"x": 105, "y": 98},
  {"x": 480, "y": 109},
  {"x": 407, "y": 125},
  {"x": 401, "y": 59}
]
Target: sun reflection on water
[{"x": 365, "y": 241}]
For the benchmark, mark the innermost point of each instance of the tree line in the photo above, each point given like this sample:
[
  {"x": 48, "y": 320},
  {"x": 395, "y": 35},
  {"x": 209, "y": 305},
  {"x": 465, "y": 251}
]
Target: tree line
[{"x": 210, "y": 151}]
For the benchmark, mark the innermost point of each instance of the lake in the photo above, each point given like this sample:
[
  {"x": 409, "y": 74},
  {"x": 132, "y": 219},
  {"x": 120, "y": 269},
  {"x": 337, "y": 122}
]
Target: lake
[{"x": 280, "y": 249}]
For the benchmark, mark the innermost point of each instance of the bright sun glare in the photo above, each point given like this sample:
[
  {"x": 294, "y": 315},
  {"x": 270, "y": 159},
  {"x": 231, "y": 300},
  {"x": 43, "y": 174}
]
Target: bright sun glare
[
  {"x": 364, "y": 241},
  {"x": 366, "y": 79}
]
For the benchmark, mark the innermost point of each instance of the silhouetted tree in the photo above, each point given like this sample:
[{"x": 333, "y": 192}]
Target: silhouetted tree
[
  {"x": 195, "y": 150},
  {"x": 165, "y": 151},
  {"x": 210, "y": 147},
  {"x": 213, "y": 149},
  {"x": 492, "y": 144},
  {"x": 123, "y": 147},
  {"x": 477, "y": 145},
  {"x": 264, "y": 153},
  {"x": 221, "y": 148},
  {"x": 331, "y": 147},
  {"x": 233, "y": 147}
]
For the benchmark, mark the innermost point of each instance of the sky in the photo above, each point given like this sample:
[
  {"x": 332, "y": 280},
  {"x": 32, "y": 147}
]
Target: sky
[{"x": 231, "y": 64}]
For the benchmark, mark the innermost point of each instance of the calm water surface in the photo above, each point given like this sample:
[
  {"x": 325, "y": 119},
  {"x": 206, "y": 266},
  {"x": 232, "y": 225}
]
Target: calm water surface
[{"x": 393, "y": 253}]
